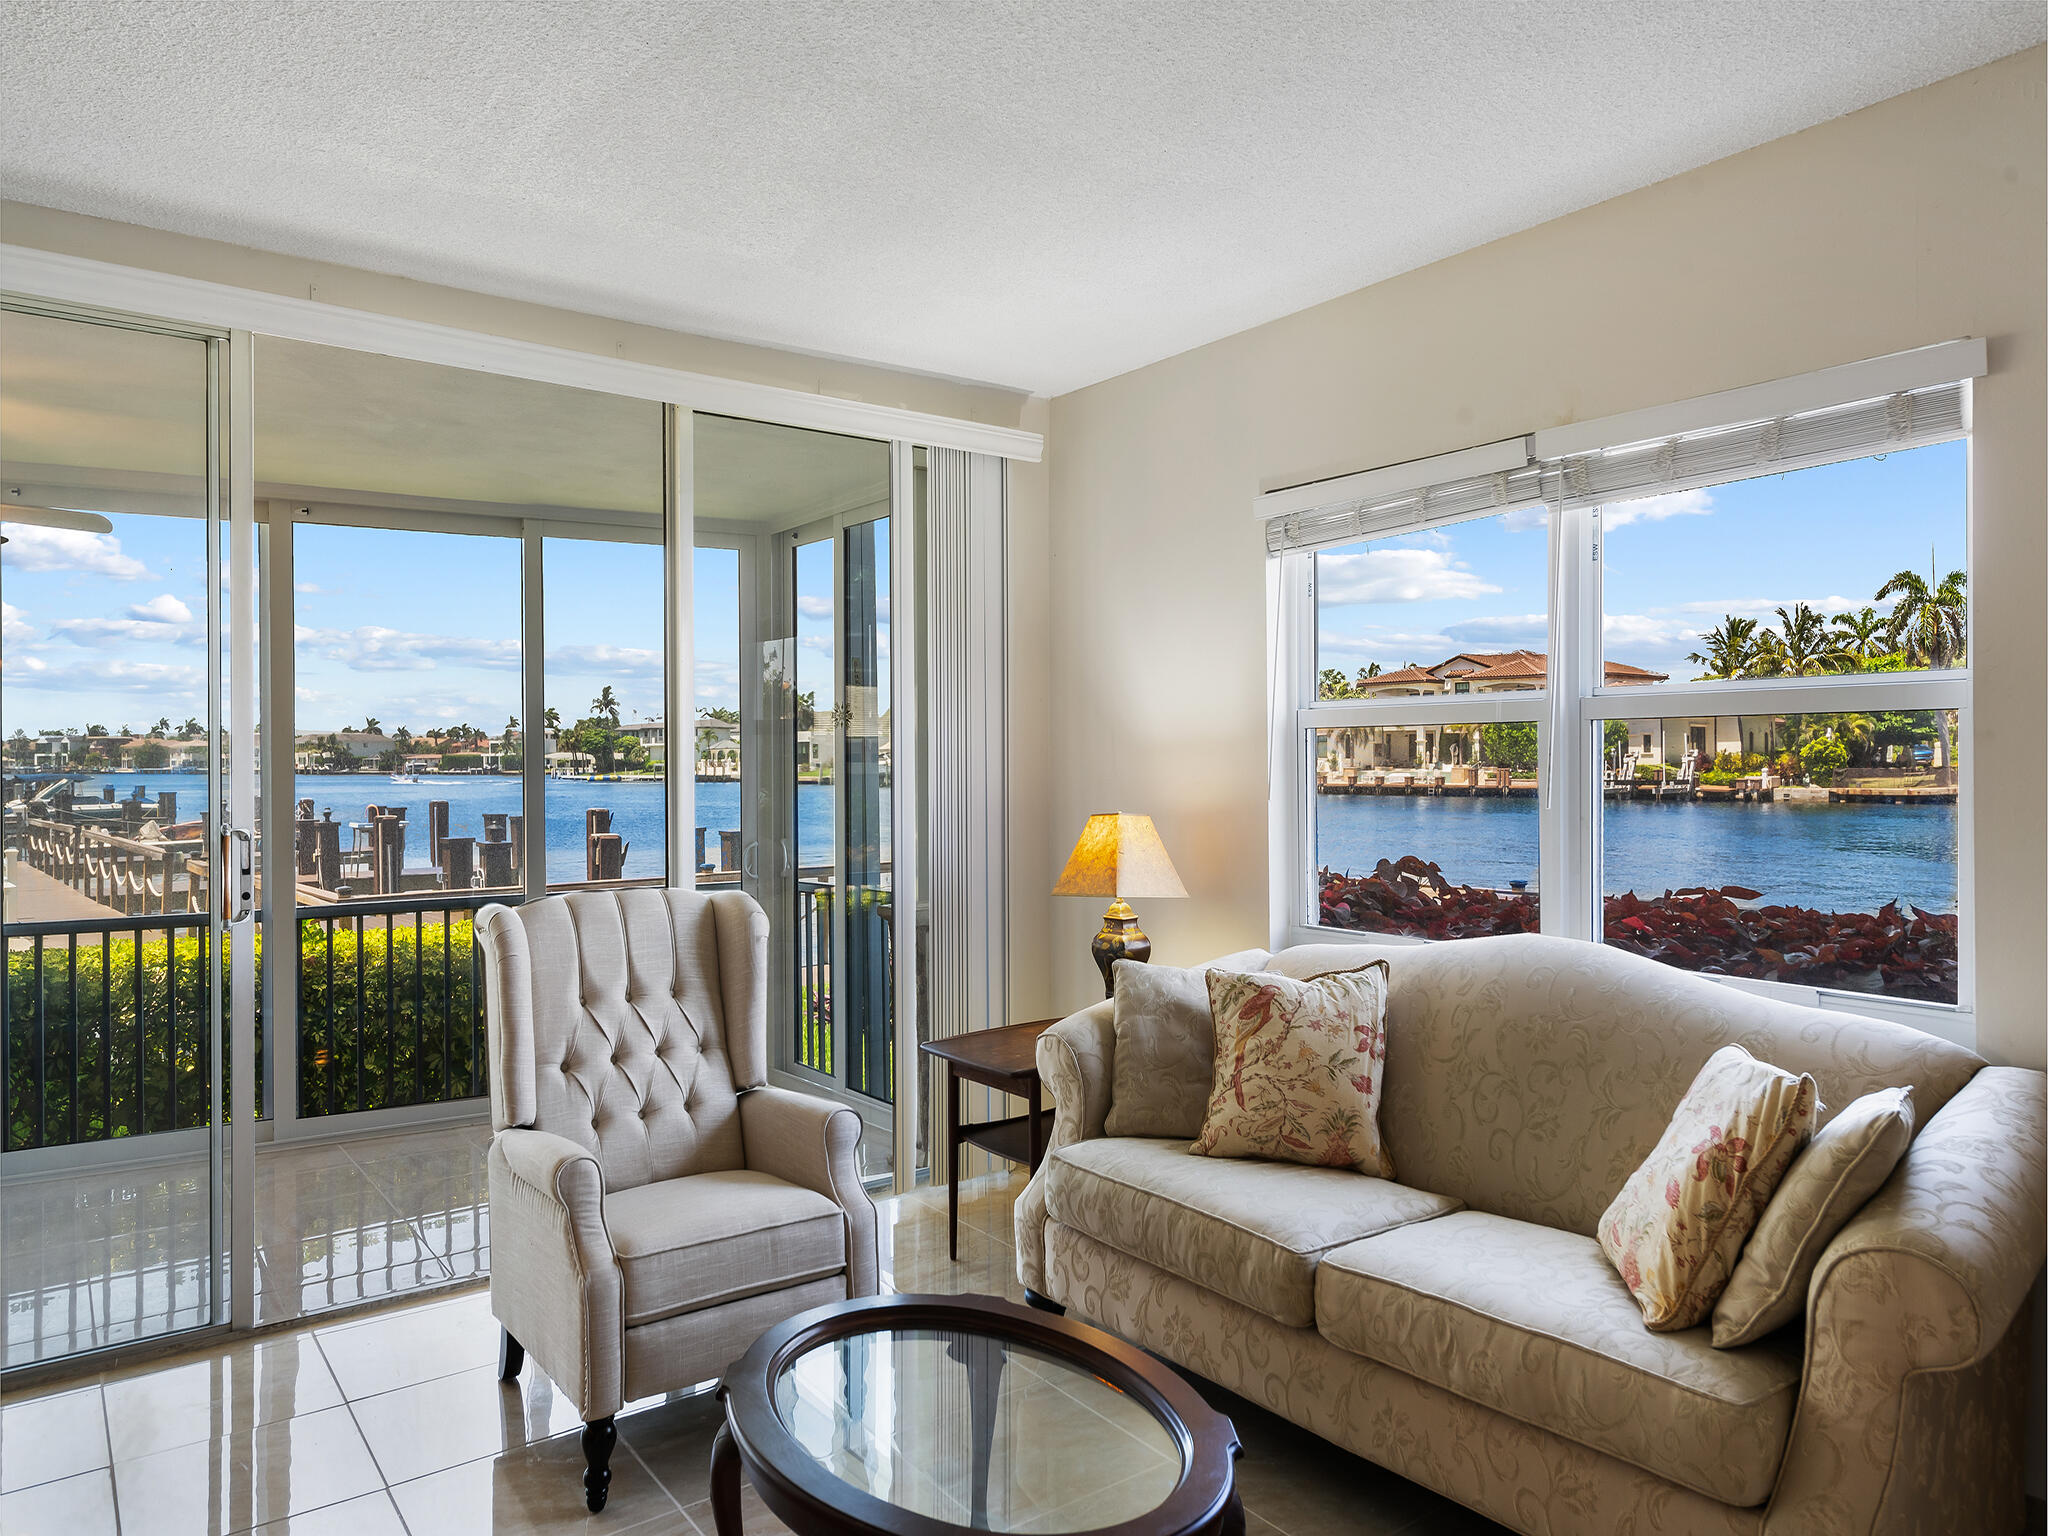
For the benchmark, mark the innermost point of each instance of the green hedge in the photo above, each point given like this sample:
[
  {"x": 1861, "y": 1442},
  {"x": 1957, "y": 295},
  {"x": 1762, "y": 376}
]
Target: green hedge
[
  {"x": 397, "y": 1024},
  {"x": 396, "y": 1019},
  {"x": 93, "y": 1086}
]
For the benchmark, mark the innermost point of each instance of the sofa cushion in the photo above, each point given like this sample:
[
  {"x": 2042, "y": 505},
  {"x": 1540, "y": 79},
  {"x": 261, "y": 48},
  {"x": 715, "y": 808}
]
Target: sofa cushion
[
  {"x": 1844, "y": 1166},
  {"x": 1165, "y": 1046},
  {"x": 1298, "y": 1068},
  {"x": 1251, "y": 1231},
  {"x": 684, "y": 1244},
  {"x": 1535, "y": 1323}
]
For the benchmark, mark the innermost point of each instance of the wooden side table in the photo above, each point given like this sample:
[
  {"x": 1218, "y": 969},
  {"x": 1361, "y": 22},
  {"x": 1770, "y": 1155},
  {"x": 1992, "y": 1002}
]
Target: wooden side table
[{"x": 1005, "y": 1059}]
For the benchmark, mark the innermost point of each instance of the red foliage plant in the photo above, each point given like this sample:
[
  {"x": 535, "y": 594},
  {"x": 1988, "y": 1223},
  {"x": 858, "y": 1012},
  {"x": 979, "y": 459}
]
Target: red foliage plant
[
  {"x": 1718, "y": 931},
  {"x": 1408, "y": 896}
]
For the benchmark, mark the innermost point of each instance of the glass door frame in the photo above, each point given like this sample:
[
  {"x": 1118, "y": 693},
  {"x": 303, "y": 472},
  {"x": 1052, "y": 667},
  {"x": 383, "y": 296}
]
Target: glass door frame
[{"x": 230, "y": 581}]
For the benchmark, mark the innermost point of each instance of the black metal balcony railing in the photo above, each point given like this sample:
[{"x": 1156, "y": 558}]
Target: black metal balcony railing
[
  {"x": 108, "y": 1028},
  {"x": 107, "y": 1022},
  {"x": 865, "y": 991}
]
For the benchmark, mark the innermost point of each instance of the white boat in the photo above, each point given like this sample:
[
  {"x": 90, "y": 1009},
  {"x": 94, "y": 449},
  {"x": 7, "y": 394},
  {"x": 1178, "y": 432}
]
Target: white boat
[{"x": 403, "y": 778}]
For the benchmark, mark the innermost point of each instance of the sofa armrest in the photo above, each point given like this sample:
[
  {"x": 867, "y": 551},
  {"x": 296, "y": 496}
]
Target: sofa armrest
[
  {"x": 555, "y": 1282},
  {"x": 1923, "y": 1282},
  {"x": 815, "y": 1144},
  {"x": 1076, "y": 1062}
]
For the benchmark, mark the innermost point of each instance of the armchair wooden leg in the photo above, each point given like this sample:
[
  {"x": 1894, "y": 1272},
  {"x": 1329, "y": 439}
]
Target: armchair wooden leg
[
  {"x": 511, "y": 1355},
  {"x": 1043, "y": 1303},
  {"x": 599, "y": 1437}
]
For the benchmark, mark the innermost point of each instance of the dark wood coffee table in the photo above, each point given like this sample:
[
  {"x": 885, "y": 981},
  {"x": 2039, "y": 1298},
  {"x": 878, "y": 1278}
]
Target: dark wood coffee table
[{"x": 937, "y": 1415}]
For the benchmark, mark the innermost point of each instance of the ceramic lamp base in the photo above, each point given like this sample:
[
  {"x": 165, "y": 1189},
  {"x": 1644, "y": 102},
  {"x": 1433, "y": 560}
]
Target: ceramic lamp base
[{"x": 1120, "y": 939}]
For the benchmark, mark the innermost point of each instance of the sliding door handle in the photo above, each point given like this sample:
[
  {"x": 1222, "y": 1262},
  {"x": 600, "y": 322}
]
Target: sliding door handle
[{"x": 238, "y": 870}]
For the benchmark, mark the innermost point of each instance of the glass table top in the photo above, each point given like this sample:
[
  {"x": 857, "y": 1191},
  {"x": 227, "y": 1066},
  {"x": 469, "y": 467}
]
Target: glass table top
[{"x": 977, "y": 1431}]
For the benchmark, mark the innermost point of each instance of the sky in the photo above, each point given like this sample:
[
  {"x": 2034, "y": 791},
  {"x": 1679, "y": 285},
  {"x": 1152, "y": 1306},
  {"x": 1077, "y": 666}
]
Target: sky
[
  {"x": 1673, "y": 565},
  {"x": 411, "y": 628}
]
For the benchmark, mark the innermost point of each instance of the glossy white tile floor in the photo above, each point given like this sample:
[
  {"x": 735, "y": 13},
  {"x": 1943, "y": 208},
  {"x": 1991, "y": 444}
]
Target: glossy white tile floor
[
  {"x": 395, "y": 1423},
  {"x": 113, "y": 1255}
]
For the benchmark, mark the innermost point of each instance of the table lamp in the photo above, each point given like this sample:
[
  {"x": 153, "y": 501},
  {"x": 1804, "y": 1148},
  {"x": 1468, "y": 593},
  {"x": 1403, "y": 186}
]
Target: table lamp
[{"x": 1118, "y": 855}]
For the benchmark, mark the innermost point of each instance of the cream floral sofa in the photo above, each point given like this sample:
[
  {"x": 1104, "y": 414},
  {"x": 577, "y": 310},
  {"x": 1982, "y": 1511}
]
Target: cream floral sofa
[{"x": 1462, "y": 1327}]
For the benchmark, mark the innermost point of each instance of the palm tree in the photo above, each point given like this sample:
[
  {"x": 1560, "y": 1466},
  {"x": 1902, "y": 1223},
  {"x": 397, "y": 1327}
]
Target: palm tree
[
  {"x": 189, "y": 729},
  {"x": 1929, "y": 623},
  {"x": 551, "y": 718},
  {"x": 162, "y": 726},
  {"x": 606, "y": 706},
  {"x": 369, "y": 725},
  {"x": 1730, "y": 647},
  {"x": 1857, "y": 637},
  {"x": 1803, "y": 644}
]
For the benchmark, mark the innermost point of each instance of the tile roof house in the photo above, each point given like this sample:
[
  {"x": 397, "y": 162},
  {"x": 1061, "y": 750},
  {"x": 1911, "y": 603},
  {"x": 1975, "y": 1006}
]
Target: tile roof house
[{"x": 1485, "y": 672}]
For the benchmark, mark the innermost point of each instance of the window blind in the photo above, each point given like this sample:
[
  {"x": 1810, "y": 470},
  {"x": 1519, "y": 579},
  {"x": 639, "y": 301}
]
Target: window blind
[
  {"x": 1345, "y": 522},
  {"x": 1906, "y": 419}
]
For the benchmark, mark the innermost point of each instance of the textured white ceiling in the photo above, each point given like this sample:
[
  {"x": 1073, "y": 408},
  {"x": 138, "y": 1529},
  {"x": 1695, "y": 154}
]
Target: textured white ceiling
[{"x": 1031, "y": 194}]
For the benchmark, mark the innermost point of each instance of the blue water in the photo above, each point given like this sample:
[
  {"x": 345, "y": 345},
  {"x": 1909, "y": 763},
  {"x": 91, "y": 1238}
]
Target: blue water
[
  {"x": 638, "y": 811},
  {"x": 1840, "y": 858}
]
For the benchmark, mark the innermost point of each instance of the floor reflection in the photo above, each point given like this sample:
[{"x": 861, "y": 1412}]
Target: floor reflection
[
  {"x": 112, "y": 1253},
  {"x": 394, "y": 1422}
]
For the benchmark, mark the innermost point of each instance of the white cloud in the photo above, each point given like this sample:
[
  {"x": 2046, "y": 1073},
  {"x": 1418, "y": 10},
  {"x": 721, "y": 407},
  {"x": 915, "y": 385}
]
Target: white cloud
[
  {"x": 718, "y": 682},
  {"x": 175, "y": 684},
  {"x": 1648, "y": 634},
  {"x": 621, "y": 661},
  {"x": 14, "y": 629},
  {"x": 1522, "y": 519},
  {"x": 1503, "y": 632},
  {"x": 161, "y": 609},
  {"x": 31, "y": 547},
  {"x": 374, "y": 648},
  {"x": 1655, "y": 509},
  {"x": 163, "y": 620},
  {"x": 1390, "y": 648},
  {"x": 814, "y": 607},
  {"x": 1767, "y": 607},
  {"x": 1397, "y": 576}
]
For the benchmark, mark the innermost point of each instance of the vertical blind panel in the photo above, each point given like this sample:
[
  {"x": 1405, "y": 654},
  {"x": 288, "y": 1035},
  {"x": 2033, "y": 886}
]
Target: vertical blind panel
[
  {"x": 968, "y": 699},
  {"x": 1909, "y": 419}
]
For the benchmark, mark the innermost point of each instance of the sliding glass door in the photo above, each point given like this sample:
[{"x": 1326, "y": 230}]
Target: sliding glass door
[
  {"x": 807, "y": 517},
  {"x": 123, "y": 930}
]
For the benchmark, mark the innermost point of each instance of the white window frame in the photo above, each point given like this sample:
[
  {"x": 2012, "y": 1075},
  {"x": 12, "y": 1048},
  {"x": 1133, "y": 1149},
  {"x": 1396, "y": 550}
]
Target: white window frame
[{"x": 1569, "y": 712}]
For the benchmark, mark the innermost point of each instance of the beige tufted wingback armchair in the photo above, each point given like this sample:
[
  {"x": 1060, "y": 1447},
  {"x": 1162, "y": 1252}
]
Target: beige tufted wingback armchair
[{"x": 654, "y": 1206}]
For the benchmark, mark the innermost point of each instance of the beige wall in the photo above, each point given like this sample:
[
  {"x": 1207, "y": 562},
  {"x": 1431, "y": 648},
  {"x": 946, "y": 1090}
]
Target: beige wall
[{"x": 1916, "y": 220}]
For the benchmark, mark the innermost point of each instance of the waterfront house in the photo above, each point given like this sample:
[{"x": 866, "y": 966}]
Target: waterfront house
[
  {"x": 1484, "y": 672},
  {"x": 652, "y": 736}
]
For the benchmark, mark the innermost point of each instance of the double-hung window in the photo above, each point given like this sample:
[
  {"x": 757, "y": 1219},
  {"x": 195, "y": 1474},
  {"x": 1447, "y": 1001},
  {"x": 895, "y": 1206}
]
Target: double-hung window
[{"x": 1704, "y": 697}]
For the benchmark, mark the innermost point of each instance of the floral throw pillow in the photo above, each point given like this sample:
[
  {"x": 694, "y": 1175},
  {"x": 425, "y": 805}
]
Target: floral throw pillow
[
  {"x": 1675, "y": 1230},
  {"x": 1298, "y": 1066}
]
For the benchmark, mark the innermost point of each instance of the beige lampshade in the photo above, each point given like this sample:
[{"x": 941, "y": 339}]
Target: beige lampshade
[{"x": 1119, "y": 854}]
